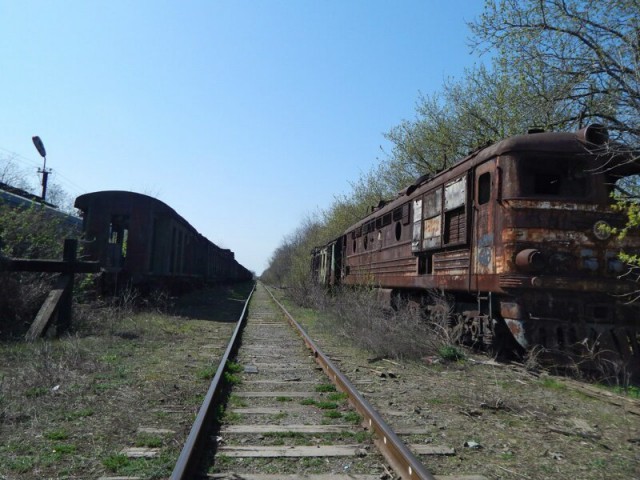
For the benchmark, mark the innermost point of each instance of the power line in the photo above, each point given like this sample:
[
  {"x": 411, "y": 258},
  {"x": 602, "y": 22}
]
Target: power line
[
  {"x": 17, "y": 156},
  {"x": 75, "y": 189}
]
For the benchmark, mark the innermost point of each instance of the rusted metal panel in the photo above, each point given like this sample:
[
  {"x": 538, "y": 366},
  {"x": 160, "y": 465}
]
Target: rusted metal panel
[
  {"x": 517, "y": 329},
  {"x": 451, "y": 263},
  {"x": 455, "y": 193},
  {"x": 432, "y": 233},
  {"x": 433, "y": 203}
]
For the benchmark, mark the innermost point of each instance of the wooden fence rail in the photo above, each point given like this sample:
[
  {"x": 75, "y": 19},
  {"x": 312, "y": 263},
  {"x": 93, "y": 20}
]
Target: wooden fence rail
[{"x": 60, "y": 299}]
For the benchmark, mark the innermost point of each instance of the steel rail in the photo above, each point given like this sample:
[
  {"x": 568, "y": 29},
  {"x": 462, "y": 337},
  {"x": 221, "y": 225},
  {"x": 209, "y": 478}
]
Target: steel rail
[
  {"x": 187, "y": 465},
  {"x": 401, "y": 459}
]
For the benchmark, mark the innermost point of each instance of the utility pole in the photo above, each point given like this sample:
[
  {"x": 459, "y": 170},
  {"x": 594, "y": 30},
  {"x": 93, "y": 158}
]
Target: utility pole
[{"x": 45, "y": 173}]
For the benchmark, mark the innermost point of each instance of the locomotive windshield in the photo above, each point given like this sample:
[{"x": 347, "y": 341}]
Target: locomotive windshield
[{"x": 550, "y": 177}]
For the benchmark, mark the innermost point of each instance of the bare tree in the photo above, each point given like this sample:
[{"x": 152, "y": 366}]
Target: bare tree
[
  {"x": 12, "y": 174},
  {"x": 591, "y": 46}
]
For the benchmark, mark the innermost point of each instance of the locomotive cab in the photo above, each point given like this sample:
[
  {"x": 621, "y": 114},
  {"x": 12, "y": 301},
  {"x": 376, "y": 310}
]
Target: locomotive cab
[{"x": 562, "y": 274}]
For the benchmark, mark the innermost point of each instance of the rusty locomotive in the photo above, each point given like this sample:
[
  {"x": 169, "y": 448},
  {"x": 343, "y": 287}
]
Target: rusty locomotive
[
  {"x": 517, "y": 233},
  {"x": 141, "y": 241}
]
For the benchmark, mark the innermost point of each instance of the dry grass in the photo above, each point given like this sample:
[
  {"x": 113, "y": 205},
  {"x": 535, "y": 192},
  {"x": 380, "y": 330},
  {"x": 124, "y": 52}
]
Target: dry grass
[
  {"x": 586, "y": 361},
  {"x": 408, "y": 330},
  {"x": 68, "y": 406},
  {"x": 21, "y": 296},
  {"x": 427, "y": 328}
]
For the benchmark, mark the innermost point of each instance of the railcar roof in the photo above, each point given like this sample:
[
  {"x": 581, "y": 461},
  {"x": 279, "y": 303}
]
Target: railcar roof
[
  {"x": 116, "y": 194},
  {"x": 112, "y": 196},
  {"x": 108, "y": 197}
]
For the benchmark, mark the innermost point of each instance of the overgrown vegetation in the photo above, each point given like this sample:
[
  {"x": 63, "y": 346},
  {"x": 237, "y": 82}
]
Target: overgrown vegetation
[{"x": 406, "y": 331}]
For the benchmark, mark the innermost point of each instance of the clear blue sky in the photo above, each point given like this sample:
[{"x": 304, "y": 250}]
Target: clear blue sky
[{"x": 244, "y": 116}]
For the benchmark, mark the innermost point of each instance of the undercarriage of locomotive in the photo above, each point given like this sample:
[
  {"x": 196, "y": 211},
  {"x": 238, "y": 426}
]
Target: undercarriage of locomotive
[
  {"x": 593, "y": 333},
  {"x": 476, "y": 322}
]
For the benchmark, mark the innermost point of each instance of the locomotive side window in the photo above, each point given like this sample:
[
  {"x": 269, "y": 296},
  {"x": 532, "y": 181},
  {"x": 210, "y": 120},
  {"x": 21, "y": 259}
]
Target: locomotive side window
[
  {"x": 440, "y": 217},
  {"x": 398, "y": 231},
  {"x": 484, "y": 188},
  {"x": 397, "y": 214},
  {"x": 401, "y": 217},
  {"x": 455, "y": 194},
  {"x": 401, "y": 213}
]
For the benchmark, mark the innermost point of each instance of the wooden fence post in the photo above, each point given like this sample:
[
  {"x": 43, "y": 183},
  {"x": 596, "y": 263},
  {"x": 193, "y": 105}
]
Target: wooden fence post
[{"x": 65, "y": 308}]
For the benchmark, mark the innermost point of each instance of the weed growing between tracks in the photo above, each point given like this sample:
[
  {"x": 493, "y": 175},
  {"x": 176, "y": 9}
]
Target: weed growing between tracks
[{"x": 124, "y": 378}]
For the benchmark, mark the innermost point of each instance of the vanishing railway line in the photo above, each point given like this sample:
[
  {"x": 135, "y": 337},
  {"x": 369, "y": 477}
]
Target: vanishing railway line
[{"x": 288, "y": 415}]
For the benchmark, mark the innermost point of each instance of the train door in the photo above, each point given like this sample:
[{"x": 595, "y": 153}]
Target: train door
[
  {"x": 118, "y": 241},
  {"x": 484, "y": 225}
]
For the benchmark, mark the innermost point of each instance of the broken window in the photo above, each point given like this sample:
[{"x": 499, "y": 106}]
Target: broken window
[{"x": 440, "y": 217}]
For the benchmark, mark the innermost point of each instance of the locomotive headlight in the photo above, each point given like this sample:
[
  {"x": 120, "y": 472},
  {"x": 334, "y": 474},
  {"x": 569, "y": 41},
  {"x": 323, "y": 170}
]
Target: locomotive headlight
[
  {"x": 530, "y": 260},
  {"x": 601, "y": 230}
]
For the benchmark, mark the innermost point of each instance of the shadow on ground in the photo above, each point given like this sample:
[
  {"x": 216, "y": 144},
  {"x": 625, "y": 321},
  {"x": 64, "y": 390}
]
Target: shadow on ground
[{"x": 221, "y": 303}]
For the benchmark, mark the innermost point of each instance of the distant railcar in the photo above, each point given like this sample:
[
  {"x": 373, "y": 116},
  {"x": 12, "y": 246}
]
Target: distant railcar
[
  {"x": 141, "y": 240},
  {"x": 18, "y": 198},
  {"x": 518, "y": 234}
]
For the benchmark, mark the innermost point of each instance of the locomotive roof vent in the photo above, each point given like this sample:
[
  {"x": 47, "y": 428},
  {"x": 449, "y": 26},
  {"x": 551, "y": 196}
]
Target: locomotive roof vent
[
  {"x": 595, "y": 134},
  {"x": 535, "y": 130}
]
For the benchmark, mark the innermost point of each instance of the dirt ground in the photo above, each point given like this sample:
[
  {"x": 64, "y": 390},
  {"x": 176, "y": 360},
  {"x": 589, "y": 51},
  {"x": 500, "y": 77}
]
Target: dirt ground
[{"x": 69, "y": 408}]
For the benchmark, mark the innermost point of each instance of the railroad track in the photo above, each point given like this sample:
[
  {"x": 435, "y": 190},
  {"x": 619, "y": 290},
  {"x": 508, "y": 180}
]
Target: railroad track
[{"x": 291, "y": 414}]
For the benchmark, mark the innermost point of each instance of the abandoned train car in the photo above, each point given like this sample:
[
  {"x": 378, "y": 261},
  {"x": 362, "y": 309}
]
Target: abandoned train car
[
  {"x": 518, "y": 234},
  {"x": 140, "y": 240}
]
